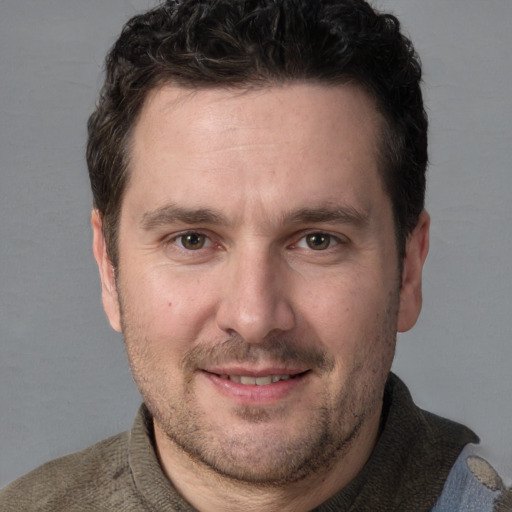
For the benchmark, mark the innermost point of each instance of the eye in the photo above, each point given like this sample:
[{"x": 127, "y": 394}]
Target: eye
[
  {"x": 318, "y": 241},
  {"x": 192, "y": 241}
]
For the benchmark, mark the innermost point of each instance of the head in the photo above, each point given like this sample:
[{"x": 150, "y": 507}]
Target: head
[
  {"x": 226, "y": 44},
  {"x": 258, "y": 177}
]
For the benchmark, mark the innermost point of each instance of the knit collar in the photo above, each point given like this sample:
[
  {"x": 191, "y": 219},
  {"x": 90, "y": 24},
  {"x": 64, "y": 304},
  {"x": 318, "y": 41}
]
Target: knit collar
[{"x": 410, "y": 462}]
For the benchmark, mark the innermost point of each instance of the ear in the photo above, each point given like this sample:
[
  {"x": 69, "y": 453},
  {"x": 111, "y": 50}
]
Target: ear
[
  {"x": 109, "y": 295},
  {"x": 416, "y": 251}
]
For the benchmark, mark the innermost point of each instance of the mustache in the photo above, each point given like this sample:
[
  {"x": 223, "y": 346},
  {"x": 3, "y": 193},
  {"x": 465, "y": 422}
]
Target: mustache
[{"x": 276, "y": 348}]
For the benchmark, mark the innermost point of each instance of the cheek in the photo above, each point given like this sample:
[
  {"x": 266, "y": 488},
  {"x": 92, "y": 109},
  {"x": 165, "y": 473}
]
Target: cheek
[
  {"x": 163, "y": 309},
  {"x": 355, "y": 319}
]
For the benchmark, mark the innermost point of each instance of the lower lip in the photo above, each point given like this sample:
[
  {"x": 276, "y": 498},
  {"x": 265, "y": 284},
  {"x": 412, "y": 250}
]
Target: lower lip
[{"x": 256, "y": 395}]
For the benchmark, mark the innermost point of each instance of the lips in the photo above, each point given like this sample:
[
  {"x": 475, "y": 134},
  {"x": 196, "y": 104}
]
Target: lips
[{"x": 257, "y": 387}]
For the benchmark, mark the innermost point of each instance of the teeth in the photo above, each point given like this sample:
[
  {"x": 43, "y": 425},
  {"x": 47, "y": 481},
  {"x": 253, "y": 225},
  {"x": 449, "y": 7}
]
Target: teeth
[
  {"x": 263, "y": 381},
  {"x": 256, "y": 381}
]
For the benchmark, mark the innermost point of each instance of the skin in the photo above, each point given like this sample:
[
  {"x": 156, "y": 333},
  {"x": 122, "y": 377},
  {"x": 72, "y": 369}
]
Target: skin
[{"x": 256, "y": 239}]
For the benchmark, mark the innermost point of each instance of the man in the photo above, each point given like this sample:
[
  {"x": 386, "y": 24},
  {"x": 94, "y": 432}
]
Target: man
[{"x": 258, "y": 173}]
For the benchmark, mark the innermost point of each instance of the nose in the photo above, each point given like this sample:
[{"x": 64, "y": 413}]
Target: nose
[{"x": 256, "y": 297}]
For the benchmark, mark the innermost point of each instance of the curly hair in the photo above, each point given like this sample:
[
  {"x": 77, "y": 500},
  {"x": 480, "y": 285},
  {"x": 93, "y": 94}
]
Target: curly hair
[{"x": 258, "y": 43}]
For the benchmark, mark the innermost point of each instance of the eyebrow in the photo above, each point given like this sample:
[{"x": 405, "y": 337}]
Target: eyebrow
[
  {"x": 336, "y": 214},
  {"x": 171, "y": 214}
]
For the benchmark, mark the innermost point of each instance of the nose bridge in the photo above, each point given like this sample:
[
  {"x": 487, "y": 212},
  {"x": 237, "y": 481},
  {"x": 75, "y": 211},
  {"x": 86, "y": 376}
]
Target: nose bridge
[{"x": 255, "y": 300}]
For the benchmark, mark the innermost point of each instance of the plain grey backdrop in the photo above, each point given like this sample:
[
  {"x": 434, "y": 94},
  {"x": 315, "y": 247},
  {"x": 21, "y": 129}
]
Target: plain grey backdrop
[{"x": 64, "y": 380}]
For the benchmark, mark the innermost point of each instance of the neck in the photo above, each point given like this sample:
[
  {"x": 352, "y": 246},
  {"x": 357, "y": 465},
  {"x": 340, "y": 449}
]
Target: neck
[{"x": 208, "y": 491}]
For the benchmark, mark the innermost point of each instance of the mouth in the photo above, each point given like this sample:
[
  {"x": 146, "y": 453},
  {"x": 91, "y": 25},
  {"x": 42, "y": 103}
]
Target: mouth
[{"x": 261, "y": 387}]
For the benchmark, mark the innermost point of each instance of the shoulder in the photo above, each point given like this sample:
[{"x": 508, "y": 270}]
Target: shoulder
[
  {"x": 73, "y": 481},
  {"x": 473, "y": 485}
]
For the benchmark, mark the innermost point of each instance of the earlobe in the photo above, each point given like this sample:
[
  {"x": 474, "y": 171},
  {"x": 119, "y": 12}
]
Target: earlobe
[
  {"x": 410, "y": 293},
  {"x": 107, "y": 274}
]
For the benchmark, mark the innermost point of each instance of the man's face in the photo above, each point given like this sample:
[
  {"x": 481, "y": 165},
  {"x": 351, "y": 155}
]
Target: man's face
[{"x": 258, "y": 288}]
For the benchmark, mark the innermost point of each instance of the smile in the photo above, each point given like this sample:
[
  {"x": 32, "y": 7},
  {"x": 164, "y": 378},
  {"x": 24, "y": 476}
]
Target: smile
[{"x": 263, "y": 387}]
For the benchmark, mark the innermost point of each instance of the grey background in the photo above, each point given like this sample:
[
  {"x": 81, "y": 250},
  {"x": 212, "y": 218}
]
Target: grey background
[{"x": 64, "y": 381}]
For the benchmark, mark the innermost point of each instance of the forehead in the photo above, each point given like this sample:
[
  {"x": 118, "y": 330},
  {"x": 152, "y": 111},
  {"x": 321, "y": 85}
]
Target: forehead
[
  {"x": 300, "y": 143},
  {"x": 338, "y": 110}
]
